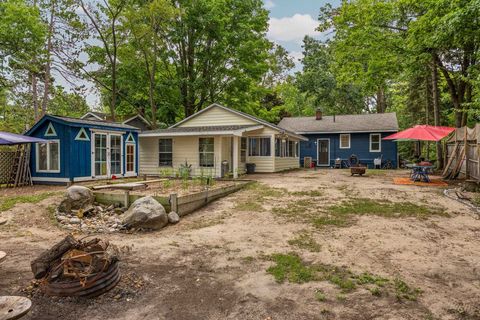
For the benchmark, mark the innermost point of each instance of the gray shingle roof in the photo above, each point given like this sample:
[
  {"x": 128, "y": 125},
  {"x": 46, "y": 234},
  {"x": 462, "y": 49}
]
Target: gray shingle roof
[
  {"x": 199, "y": 129},
  {"x": 95, "y": 123},
  {"x": 373, "y": 122}
]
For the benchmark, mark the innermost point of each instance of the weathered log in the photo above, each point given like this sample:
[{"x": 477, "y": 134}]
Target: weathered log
[{"x": 41, "y": 265}]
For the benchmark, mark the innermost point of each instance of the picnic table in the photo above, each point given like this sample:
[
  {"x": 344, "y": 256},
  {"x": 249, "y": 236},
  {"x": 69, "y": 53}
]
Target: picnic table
[{"x": 420, "y": 173}]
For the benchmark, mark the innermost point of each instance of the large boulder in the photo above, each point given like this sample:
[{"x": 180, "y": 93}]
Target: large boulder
[
  {"x": 145, "y": 213},
  {"x": 76, "y": 197}
]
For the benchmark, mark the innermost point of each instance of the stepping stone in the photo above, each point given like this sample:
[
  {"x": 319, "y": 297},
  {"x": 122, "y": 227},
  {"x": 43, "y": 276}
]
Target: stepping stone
[{"x": 14, "y": 307}]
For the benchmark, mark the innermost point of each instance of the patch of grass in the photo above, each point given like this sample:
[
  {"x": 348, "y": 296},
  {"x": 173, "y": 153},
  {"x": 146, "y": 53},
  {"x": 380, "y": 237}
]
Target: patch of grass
[
  {"x": 249, "y": 206},
  {"x": 248, "y": 259},
  {"x": 206, "y": 223},
  {"x": 300, "y": 208},
  {"x": 8, "y": 203},
  {"x": 290, "y": 267},
  {"x": 309, "y": 193},
  {"x": 403, "y": 291},
  {"x": 338, "y": 221},
  {"x": 385, "y": 208},
  {"x": 320, "y": 295},
  {"x": 51, "y": 215},
  {"x": 305, "y": 241}
]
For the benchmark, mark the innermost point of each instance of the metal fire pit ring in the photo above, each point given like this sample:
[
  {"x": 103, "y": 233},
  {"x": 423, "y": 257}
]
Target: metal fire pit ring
[{"x": 95, "y": 285}]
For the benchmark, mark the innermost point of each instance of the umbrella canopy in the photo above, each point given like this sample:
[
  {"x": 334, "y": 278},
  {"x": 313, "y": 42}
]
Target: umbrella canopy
[
  {"x": 7, "y": 138},
  {"x": 422, "y": 132}
]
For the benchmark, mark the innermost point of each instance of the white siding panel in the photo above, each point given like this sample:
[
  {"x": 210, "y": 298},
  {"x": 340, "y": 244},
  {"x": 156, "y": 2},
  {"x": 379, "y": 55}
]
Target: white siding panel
[
  {"x": 286, "y": 163},
  {"x": 217, "y": 117}
]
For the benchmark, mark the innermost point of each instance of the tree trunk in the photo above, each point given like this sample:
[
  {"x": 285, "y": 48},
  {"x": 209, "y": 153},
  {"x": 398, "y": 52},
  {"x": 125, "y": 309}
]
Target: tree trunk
[
  {"x": 436, "y": 112},
  {"x": 41, "y": 265},
  {"x": 381, "y": 104},
  {"x": 34, "y": 96},
  {"x": 48, "y": 64}
]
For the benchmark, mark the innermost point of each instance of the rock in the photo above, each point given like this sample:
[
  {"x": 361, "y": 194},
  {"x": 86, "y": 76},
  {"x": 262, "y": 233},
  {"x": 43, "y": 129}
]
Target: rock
[
  {"x": 145, "y": 213},
  {"x": 76, "y": 197},
  {"x": 173, "y": 217},
  {"x": 3, "y": 221},
  {"x": 74, "y": 220}
]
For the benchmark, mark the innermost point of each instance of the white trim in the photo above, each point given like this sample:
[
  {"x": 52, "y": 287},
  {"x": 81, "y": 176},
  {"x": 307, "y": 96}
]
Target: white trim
[
  {"x": 137, "y": 116},
  {"x": 82, "y": 129},
  {"x": 48, "y": 179},
  {"x": 359, "y": 131},
  {"x": 244, "y": 115},
  {"x": 93, "y": 173},
  {"x": 238, "y": 132},
  {"x": 37, "y": 149},
  {"x": 328, "y": 164},
  {"x": 127, "y": 173},
  {"x": 130, "y": 135},
  {"x": 107, "y": 131},
  {"x": 93, "y": 115},
  {"x": 349, "y": 141},
  {"x": 379, "y": 142},
  {"x": 54, "y": 132}
]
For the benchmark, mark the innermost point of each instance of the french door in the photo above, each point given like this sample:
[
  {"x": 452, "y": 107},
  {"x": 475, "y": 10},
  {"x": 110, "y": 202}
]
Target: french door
[{"x": 107, "y": 155}]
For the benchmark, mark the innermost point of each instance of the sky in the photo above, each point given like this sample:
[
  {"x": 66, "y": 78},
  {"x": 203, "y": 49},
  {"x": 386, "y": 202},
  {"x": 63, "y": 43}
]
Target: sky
[{"x": 291, "y": 20}]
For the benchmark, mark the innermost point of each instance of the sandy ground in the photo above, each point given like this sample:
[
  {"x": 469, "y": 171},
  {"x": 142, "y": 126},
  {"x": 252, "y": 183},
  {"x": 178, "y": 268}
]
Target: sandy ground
[{"x": 212, "y": 266}]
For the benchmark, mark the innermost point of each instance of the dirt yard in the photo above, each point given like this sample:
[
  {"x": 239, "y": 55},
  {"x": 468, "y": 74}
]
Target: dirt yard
[{"x": 297, "y": 245}]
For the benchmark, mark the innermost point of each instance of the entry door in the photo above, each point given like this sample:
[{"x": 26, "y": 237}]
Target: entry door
[
  {"x": 106, "y": 155},
  {"x": 323, "y": 152},
  {"x": 100, "y": 154}
]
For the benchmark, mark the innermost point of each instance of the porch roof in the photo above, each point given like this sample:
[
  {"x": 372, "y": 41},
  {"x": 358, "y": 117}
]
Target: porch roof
[{"x": 236, "y": 130}]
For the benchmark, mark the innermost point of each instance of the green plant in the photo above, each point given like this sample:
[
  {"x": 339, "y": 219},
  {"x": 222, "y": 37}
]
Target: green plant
[
  {"x": 290, "y": 267},
  {"x": 320, "y": 295},
  {"x": 403, "y": 291},
  {"x": 375, "y": 291},
  {"x": 166, "y": 172},
  {"x": 11, "y": 201},
  {"x": 305, "y": 241}
]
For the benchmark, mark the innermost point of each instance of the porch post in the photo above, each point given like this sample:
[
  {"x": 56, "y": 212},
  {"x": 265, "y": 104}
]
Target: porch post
[{"x": 235, "y": 157}]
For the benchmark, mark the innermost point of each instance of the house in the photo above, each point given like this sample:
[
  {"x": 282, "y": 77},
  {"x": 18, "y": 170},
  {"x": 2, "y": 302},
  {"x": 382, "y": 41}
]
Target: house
[
  {"x": 216, "y": 135},
  {"x": 94, "y": 115},
  {"x": 139, "y": 122},
  {"x": 339, "y": 137},
  {"x": 81, "y": 149}
]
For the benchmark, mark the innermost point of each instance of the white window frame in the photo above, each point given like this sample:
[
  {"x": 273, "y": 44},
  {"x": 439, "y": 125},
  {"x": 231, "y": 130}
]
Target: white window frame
[
  {"x": 54, "y": 132},
  {"x": 243, "y": 149},
  {"x": 159, "y": 152},
  {"x": 272, "y": 152},
  {"x": 349, "y": 141},
  {"x": 212, "y": 152},
  {"x": 37, "y": 156},
  {"x": 134, "y": 157},
  {"x": 379, "y": 142}
]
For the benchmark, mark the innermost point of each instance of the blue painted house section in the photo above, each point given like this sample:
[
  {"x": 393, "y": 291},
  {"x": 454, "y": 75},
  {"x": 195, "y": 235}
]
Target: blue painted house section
[
  {"x": 339, "y": 137},
  {"x": 82, "y": 150}
]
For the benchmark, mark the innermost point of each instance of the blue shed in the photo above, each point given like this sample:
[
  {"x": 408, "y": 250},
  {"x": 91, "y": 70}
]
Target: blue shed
[
  {"x": 339, "y": 137},
  {"x": 82, "y": 150}
]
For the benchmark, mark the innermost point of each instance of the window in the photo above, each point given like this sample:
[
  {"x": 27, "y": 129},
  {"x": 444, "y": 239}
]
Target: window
[
  {"x": 165, "y": 155},
  {"x": 278, "y": 147},
  {"x": 375, "y": 142},
  {"x": 82, "y": 135},
  {"x": 259, "y": 147},
  {"x": 345, "y": 141},
  {"x": 130, "y": 157},
  {"x": 115, "y": 154},
  {"x": 243, "y": 150},
  {"x": 48, "y": 156},
  {"x": 130, "y": 138},
  {"x": 292, "y": 149},
  {"x": 206, "y": 151},
  {"x": 282, "y": 147},
  {"x": 50, "y": 132}
]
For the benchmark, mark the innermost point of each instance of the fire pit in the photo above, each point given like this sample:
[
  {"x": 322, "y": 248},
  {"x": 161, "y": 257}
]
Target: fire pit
[
  {"x": 77, "y": 268},
  {"x": 358, "y": 169}
]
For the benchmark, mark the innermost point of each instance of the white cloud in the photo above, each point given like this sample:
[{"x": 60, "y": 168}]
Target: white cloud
[
  {"x": 269, "y": 4},
  {"x": 292, "y": 28}
]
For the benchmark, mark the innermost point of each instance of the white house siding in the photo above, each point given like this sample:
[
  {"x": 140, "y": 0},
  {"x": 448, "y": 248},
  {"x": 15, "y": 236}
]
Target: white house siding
[
  {"x": 217, "y": 117},
  {"x": 286, "y": 163}
]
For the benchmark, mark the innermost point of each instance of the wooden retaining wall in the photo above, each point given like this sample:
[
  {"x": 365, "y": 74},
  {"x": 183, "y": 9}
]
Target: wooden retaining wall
[{"x": 183, "y": 205}]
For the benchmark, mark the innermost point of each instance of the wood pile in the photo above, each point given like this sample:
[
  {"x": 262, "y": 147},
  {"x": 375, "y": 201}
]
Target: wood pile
[{"x": 77, "y": 268}]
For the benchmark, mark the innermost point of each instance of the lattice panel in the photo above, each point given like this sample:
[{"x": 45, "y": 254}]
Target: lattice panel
[{"x": 7, "y": 159}]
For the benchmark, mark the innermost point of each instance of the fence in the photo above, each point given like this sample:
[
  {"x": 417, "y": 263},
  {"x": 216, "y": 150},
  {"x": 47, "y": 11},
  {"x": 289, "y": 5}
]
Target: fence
[
  {"x": 7, "y": 160},
  {"x": 462, "y": 156}
]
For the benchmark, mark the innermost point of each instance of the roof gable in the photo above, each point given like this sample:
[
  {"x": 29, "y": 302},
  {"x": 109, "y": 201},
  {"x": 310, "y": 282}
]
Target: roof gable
[
  {"x": 373, "y": 122},
  {"x": 215, "y": 115}
]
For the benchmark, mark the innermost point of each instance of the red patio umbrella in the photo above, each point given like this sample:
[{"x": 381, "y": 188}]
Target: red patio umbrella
[{"x": 422, "y": 132}]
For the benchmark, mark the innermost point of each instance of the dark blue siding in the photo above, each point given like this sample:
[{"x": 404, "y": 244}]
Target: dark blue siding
[
  {"x": 359, "y": 145},
  {"x": 75, "y": 155}
]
